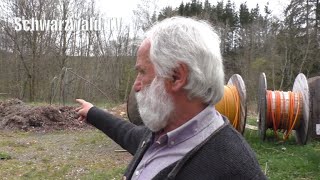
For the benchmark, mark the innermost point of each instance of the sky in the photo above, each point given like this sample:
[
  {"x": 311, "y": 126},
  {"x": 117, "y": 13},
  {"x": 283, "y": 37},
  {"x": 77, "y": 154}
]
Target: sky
[{"x": 124, "y": 8}]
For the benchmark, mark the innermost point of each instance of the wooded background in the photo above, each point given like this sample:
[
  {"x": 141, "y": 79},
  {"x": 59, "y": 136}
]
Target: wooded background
[{"x": 59, "y": 66}]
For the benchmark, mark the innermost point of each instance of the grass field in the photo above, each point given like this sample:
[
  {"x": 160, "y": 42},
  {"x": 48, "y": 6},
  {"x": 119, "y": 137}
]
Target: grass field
[
  {"x": 285, "y": 160},
  {"x": 89, "y": 154},
  {"x": 86, "y": 154}
]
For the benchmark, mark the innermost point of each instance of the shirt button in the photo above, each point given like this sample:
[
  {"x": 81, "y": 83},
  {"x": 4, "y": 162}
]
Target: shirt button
[{"x": 137, "y": 173}]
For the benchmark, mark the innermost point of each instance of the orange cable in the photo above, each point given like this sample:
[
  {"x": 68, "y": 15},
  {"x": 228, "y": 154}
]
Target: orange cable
[
  {"x": 277, "y": 115},
  {"x": 229, "y": 105}
]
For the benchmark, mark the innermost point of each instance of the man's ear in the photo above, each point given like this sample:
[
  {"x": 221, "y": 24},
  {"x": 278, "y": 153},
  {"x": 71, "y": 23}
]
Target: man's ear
[{"x": 179, "y": 77}]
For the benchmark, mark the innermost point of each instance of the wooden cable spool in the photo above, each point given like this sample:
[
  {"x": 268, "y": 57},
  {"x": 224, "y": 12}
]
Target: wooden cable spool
[
  {"x": 314, "y": 87},
  {"x": 235, "y": 82},
  {"x": 234, "y": 106},
  {"x": 284, "y": 111}
]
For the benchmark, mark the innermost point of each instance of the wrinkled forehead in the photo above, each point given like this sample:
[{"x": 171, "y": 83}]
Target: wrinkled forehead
[{"x": 143, "y": 54}]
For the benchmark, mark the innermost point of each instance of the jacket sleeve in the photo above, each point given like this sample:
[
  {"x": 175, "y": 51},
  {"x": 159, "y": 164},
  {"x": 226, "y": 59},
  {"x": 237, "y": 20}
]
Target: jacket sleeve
[{"x": 124, "y": 133}]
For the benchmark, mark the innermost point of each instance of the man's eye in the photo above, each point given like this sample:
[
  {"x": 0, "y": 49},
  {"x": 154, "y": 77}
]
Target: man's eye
[{"x": 142, "y": 71}]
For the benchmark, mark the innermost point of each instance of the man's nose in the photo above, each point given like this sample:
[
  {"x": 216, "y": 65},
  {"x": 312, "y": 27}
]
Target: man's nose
[{"x": 137, "y": 85}]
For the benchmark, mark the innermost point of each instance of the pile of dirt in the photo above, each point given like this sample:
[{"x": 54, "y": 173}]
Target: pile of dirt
[
  {"x": 17, "y": 115},
  {"x": 119, "y": 111}
]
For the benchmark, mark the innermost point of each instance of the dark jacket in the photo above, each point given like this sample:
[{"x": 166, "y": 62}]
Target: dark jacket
[{"x": 223, "y": 155}]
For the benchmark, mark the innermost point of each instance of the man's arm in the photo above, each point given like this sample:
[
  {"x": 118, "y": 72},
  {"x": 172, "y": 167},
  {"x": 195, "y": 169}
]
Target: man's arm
[{"x": 126, "y": 134}]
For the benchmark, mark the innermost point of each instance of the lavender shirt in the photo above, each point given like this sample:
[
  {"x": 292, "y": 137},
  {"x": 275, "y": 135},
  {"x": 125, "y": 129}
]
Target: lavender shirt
[{"x": 172, "y": 146}]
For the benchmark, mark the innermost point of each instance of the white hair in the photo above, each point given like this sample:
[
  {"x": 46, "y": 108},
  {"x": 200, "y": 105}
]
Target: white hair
[{"x": 195, "y": 43}]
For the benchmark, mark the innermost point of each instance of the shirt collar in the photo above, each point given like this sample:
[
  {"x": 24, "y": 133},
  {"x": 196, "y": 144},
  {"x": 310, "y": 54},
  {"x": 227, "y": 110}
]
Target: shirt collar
[{"x": 190, "y": 128}]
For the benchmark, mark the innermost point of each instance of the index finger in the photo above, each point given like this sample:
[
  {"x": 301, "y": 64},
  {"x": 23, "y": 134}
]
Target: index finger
[
  {"x": 78, "y": 108},
  {"x": 80, "y": 101}
]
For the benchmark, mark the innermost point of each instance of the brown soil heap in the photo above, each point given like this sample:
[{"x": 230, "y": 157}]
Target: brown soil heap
[{"x": 16, "y": 115}]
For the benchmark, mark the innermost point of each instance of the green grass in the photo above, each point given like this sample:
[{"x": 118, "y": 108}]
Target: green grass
[
  {"x": 4, "y": 156},
  {"x": 85, "y": 154},
  {"x": 285, "y": 160},
  {"x": 89, "y": 154}
]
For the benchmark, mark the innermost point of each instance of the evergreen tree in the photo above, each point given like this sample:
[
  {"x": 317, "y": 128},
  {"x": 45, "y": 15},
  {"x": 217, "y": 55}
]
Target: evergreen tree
[
  {"x": 181, "y": 10},
  {"x": 187, "y": 10},
  {"x": 166, "y": 13},
  {"x": 220, "y": 11},
  {"x": 244, "y": 15},
  {"x": 230, "y": 16},
  {"x": 206, "y": 10}
]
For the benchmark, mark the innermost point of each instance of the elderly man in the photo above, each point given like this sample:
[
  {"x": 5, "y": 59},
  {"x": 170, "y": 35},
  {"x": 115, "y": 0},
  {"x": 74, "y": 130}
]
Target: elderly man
[{"x": 180, "y": 76}]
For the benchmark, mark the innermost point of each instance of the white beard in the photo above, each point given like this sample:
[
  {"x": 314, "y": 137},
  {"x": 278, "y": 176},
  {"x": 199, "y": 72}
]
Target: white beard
[{"x": 155, "y": 105}]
